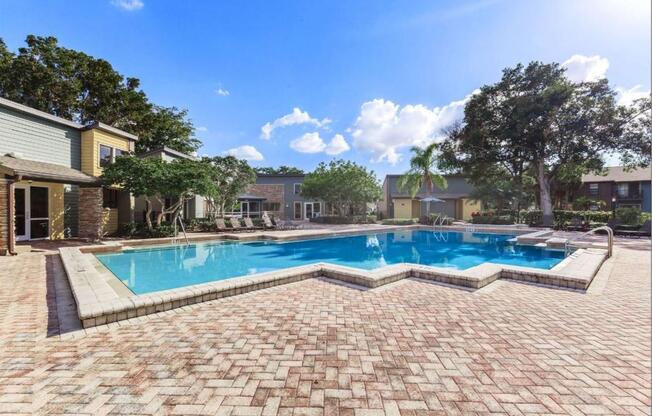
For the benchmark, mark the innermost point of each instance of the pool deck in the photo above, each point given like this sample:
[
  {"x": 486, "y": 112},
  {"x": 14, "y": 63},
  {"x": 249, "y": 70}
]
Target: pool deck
[
  {"x": 101, "y": 299},
  {"x": 322, "y": 347}
]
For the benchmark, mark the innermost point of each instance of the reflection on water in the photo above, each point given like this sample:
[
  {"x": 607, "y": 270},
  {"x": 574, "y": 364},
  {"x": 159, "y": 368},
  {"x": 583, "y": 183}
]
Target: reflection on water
[{"x": 168, "y": 267}]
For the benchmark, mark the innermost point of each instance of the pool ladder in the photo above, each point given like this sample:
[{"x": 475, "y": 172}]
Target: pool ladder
[
  {"x": 610, "y": 240},
  {"x": 183, "y": 230}
]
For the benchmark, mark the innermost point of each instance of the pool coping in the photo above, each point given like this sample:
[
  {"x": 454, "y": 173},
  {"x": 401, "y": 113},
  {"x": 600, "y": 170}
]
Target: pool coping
[{"x": 99, "y": 303}]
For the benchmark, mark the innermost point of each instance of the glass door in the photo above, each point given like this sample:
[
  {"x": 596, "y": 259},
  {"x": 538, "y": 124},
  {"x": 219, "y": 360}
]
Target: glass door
[
  {"x": 244, "y": 208},
  {"x": 39, "y": 221},
  {"x": 313, "y": 209},
  {"x": 297, "y": 210},
  {"x": 20, "y": 217}
]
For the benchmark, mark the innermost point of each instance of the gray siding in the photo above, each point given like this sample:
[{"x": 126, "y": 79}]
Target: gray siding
[
  {"x": 288, "y": 195},
  {"x": 456, "y": 185},
  {"x": 38, "y": 139}
]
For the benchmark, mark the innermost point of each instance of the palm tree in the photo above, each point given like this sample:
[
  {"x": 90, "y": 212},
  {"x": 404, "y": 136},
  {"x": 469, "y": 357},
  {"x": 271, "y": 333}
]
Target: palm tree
[{"x": 422, "y": 165}]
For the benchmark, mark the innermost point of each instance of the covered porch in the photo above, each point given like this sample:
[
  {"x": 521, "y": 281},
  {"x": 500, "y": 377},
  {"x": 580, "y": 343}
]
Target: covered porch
[{"x": 46, "y": 201}]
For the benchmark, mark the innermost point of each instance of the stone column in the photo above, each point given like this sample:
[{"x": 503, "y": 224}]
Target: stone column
[
  {"x": 91, "y": 213},
  {"x": 6, "y": 232}
]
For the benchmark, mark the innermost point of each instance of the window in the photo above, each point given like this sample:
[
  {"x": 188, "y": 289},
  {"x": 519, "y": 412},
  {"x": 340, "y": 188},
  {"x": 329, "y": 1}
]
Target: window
[
  {"x": 110, "y": 197},
  {"x": 593, "y": 189},
  {"x": 271, "y": 206},
  {"x": 297, "y": 188},
  {"x": 105, "y": 155},
  {"x": 108, "y": 155},
  {"x": 623, "y": 190}
]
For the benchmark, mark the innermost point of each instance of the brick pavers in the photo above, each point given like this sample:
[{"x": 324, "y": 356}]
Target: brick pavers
[{"x": 321, "y": 348}]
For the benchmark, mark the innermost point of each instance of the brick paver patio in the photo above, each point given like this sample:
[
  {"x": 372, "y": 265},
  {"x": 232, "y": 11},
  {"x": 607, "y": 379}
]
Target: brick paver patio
[{"x": 318, "y": 347}]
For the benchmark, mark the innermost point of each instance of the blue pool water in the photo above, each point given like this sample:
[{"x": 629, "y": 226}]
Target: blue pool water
[{"x": 160, "y": 268}]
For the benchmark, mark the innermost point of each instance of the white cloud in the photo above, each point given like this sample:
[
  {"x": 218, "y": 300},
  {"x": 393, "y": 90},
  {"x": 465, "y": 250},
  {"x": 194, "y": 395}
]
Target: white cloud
[
  {"x": 297, "y": 116},
  {"x": 384, "y": 128},
  {"x": 128, "y": 5},
  {"x": 627, "y": 96},
  {"x": 222, "y": 91},
  {"x": 337, "y": 145},
  {"x": 202, "y": 128},
  {"x": 580, "y": 68},
  {"x": 313, "y": 143},
  {"x": 245, "y": 152}
]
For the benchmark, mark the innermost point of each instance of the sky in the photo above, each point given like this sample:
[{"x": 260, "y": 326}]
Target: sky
[{"x": 300, "y": 82}]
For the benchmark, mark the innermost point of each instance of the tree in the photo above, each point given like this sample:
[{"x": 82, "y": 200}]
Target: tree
[
  {"x": 281, "y": 170},
  {"x": 345, "y": 185},
  {"x": 140, "y": 177},
  {"x": 422, "y": 172},
  {"x": 79, "y": 87},
  {"x": 231, "y": 177},
  {"x": 535, "y": 119},
  {"x": 152, "y": 178}
]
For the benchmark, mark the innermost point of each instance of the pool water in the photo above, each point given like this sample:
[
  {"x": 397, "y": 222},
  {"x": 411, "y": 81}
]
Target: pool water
[{"x": 160, "y": 268}]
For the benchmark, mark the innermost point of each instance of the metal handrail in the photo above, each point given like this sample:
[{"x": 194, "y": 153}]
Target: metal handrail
[
  {"x": 610, "y": 239},
  {"x": 183, "y": 230}
]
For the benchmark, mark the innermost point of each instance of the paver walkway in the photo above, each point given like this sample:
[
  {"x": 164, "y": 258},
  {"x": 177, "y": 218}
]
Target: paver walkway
[{"x": 317, "y": 347}]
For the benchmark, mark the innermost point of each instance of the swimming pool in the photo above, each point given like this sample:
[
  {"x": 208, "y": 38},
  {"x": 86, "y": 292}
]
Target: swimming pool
[{"x": 167, "y": 267}]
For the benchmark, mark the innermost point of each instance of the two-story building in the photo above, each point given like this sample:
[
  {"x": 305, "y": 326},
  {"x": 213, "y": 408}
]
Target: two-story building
[
  {"x": 193, "y": 208},
  {"x": 457, "y": 202},
  {"x": 279, "y": 195},
  {"x": 49, "y": 177},
  {"x": 619, "y": 188}
]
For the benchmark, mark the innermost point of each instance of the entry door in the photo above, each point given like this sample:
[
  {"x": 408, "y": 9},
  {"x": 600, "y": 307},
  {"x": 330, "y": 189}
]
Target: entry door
[
  {"x": 297, "y": 210},
  {"x": 313, "y": 209},
  {"x": 244, "y": 208},
  {"x": 21, "y": 195},
  {"x": 32, "y": 212}
]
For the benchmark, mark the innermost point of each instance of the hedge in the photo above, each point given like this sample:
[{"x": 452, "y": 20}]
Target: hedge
[
  {"x": 334, "y": 219},
  {"x": 561, "y": 216},
  {"x": 493, "y": 219},
  {"x": 399, "y": 221}
]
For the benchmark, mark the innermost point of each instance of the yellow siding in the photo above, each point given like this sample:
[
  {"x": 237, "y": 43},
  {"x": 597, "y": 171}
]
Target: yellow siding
[
  {"x": 110, "y": 222},
  {"x": 402, "y": 208},
  {"x": 90, "y": 148},
  {"x": 56, "y": 207},
  {"x": 469, "y": 206}
]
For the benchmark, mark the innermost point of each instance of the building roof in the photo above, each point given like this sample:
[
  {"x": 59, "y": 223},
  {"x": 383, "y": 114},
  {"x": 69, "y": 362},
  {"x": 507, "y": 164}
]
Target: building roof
[
  {"x": 42, "y": 171},
  {"x": 435, "y": 194},
  {"x": 619, "y": 174},
  {"x": 280, "y": 175},
  {"x": 250, "y": 197},
  {"x": 65, "y": 122},
  {"x": 168, "y": 151}
]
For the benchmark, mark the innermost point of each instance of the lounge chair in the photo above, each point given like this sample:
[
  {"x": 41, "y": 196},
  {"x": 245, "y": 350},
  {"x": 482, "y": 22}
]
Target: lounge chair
[
  {"x": 267, "y": 223},
  {"x": 644, "y": 231},
  {"x": 235, "y": 224},
  {"x": 249, "y": 224},
  {"x": 221, "y": 225}
]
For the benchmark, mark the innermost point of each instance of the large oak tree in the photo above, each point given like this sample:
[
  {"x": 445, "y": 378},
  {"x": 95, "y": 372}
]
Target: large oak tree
[{"x": 535, "y": 119}]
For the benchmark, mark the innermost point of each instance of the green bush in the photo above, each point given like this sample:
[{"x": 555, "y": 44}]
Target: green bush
[
  {"x": 630, "y": 216},
  {"x": 562, "y": 217},
  {"x": 201, "y": 225},
  {"x": 335, "y": 219},
  {"x": 400, "y": 221},
  {"x": 493, "y": 219},
  {"x": 139, "y": 230}
]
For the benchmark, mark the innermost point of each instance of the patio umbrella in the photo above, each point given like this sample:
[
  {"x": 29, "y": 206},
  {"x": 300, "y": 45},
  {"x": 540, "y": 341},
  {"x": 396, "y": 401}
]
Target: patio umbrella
[{"x": 430, "y": 199}]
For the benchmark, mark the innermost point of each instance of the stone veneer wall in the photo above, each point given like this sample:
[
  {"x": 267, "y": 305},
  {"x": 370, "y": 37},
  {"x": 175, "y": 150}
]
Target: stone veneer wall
[
  {"x": 5, "y": 234},
  {"x": 271, "y": 193},
  {"x": 91, "y": 213}
]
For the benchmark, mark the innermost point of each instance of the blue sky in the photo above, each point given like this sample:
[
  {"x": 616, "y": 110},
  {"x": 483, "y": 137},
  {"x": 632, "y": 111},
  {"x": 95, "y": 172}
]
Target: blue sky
[{"x": 361, "y": 80}]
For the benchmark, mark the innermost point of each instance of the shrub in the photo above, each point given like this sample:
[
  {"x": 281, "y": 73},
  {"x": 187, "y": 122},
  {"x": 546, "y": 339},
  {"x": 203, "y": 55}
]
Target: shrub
[
  {"x": 399, "y": 221},
  {"x": 561, "y": 217},
  {"x": 335, "y": 219},
  {"x": 138, "y": 230},
  {"x": 584, "y": 203},
  {"x": 493, "y": 219},
  {"x": 630, "y": 216},
  {"x": 201, "y": 225}
]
